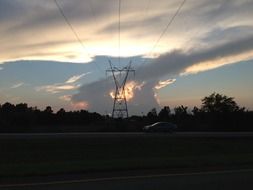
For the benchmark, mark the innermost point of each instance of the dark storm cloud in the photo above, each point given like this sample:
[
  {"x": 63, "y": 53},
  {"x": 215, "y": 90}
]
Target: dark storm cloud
[
  {"x": 168, "y": 65},
  {"x": 10, "y": 9},
  {"x": 225, "y": 9},
  {"x": 95, "y": 19},
  {"x": 29, "y": 15},
  {"x": 223, "y": 26},
  {"x": 176, "y": 62},
  {"x": 98, "y": 97},
  {"x": 80, "y": 11},
  {"x": 220, "y": 34},
  {"x": 150, "y": 23}
]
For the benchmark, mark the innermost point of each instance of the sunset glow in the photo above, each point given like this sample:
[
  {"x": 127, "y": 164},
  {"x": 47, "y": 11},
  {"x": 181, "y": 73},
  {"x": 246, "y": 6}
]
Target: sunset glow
[
  {"x": 129, "y": 90},
  {"x": 59, "y": 55}
]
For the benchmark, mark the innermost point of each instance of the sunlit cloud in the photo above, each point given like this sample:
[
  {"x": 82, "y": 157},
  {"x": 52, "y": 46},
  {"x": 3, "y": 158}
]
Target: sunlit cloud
[
  {"x": 96, "y": 24},
  {"x": 56, "y": 88},
  {"x": 18, "y": 85},
  {"x": 66, "y": 98},
  {"x": 205, "y": 35},
  {"x": 156, "y": 98},
  {"x": 171, "y": 64},
  {"x": 139, "y": 86},
  {"x": 74, "y": 105},
  {"x": 79, "y": 105},
  {"x": 128, "y": 93},
  {"x": 75, "y": 78},
  {"x": 216, "y": 63},
  {"x": 68, "y": 85},
  {"x": 164, "y": 83},
  {"x": 130, "y": 89}
]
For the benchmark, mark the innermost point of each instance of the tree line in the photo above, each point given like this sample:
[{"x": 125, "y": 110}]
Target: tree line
[
  {"x": 217, "y": 113},
  {"x": 22, "y": 118}
]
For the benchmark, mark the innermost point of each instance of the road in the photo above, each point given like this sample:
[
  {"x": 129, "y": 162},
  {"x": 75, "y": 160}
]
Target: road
[
  {"x": 215, "y": 180},
  {"x": 210, "y": 180},
  {"x": 123, "y": 134}
]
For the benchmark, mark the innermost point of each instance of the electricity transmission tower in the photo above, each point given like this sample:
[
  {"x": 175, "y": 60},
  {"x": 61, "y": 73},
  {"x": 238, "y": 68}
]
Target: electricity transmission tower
[
  {"x": 120, "y": 76},
  {"x": 120, "y": 109}
]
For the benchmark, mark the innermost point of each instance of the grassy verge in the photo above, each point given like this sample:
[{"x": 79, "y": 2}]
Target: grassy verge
[{"x": 46, "y": 156}]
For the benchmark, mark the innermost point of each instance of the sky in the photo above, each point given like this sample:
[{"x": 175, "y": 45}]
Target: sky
[{"x": 181, "y": 51}]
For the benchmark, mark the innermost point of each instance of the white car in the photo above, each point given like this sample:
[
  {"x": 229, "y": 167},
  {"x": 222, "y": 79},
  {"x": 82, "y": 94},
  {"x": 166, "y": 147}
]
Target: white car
[{"x": 160, "y": 127}]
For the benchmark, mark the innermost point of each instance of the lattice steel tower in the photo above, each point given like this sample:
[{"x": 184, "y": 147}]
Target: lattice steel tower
[{"x": 120, "y": 76}]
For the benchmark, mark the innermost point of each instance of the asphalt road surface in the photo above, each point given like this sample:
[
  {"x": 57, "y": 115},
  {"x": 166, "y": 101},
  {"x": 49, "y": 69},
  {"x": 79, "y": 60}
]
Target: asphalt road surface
[
  {"x": 233, "y": 179},
  {"x": 123, "y": 134},
  {"x": 215, "y": 180}
]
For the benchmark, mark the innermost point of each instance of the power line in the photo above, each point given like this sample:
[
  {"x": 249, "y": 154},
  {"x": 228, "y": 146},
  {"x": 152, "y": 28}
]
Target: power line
[
  {"x": 143, "y": 15},
  {"x": 165, "y": 29},
  {"x": 74, "y": 32},
  {"x": 92, "y": 10},
  {"x": 147, "y": 7},
  {"x": 95, "y": 18},
  {"x": 119, "y": 30},
  {"x": 69, "y": 24}
]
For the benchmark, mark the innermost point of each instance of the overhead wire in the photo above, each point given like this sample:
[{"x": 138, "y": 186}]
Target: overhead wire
[
  {"x": 74, "y": 31},
  {"x": 119, "y": 31},
  {"x": 144, "y": 14},
  {"x": 165, "y": 29},
  {"x": 147, "y": 7},
  {"x": 95, "y": 19}
]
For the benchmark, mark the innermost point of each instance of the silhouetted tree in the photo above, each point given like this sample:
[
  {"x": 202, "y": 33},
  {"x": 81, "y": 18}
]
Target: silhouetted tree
[
  {"x": 48, "y": 109},
  {"x": 181, "y": 110},
  {"x": 7, "y": 108},
  {"x": 22, "y": 107},
  {"x": 196, "y": 110},
  {"x": 47, "y": 116},
  {"x": 61, "y": 111},
  {"x": 164, "y": 113},
  {"x": 217, "y": 113},
  {"x": 221, "y": 112},
  {"x": 152, "y": 114},
  {"x": 219, "y": 103}
]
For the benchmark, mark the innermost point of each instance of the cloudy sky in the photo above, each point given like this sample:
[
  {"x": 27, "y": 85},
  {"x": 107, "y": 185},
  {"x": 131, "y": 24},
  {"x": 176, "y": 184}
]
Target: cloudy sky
[{"x": 181, "y": 51}]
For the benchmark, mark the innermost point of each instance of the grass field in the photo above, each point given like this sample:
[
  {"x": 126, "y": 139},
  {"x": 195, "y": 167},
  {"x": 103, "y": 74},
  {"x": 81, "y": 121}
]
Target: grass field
[{"x": 48, "y": 156}]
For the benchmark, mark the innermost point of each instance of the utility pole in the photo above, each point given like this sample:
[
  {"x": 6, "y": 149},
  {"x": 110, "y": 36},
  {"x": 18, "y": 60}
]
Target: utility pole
[{"x": 120, "y": 76}]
